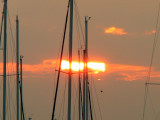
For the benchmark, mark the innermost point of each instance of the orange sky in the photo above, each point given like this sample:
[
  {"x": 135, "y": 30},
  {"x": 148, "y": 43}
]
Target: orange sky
[
  {"x": 115, "y": 31},
  {"x": 124, "y": 72},
  {"x": 124, "y": 39}
]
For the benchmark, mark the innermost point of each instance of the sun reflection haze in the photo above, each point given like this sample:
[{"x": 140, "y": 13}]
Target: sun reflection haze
[{"x": 96, "y": 67}]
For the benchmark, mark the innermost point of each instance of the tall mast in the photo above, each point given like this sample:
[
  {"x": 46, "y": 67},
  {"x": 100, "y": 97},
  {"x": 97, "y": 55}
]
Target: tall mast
[
  {"x": 17, "y": 55},
  {"x": 59, "y": 69},
  {"x": 21, "y": 86},
  {"x": 79, "y": 87},
  {"x": 4, "y": 59},
  {"x": 70, "y": 60},
  {"x": 86, "y": 61},
  {"x": 84, "y": 87}
]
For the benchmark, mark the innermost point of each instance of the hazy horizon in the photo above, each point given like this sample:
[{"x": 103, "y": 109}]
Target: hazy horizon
[{"x": 121, "y": 35}]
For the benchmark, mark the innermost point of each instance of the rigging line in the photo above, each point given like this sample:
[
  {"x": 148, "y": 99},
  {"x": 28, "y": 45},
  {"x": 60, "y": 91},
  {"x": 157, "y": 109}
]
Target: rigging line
[
  {"x": 79, "y": 88},
  {"x": 77, "y": 26},
  {"x": 154, "y": 44},
  {"x": 9, "y": 77},
  {"x": 55, "y": 98},
  {"x": 152, "y": 56},
  {"x": 9, "y": 95},
  {"x": 13, "y": 53},
  {"x": 145, "y": 100},
  {"x": 9, "y": 74},
  {"x": 10, "y": 98},
  {"x": 153, "y": 83},
  {"x": 81, "y": 99},
  {"x": 22, "y": 108},
  {"x": 97, "y": 100},
  {"x": 7, "y": 91},
  {"x": 154, "y": 111},
  {"x": 90, "y": 104},
  {"x": 1, "y": 26},
  {"x": 148, "y": 94},
  {"x": 76, "y": 7},
  {"x": 93, "y": 96},
  {"x": 0, "y": 95},
  {"x": 9, "y": 102},
  {"x": 63, "y": 98},
  {"x": 12, "y": 38},
  {"x": 158, "y": 115},
  {"x": 20, "y": 89},
  {"x": 78, "y": 36},
  {"x": 76, "y": 98},
  {"x": 80, "y": 23}
]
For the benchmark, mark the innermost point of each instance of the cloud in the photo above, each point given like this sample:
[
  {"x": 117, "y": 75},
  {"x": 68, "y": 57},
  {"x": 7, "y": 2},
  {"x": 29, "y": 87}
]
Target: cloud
[
  {"x": 150, "y": 32},
  {"x": 115, "y": 31},
  {"x": 42, "y": 68},
  {"x": 49, "y": 65},
  {"x": 120, "y": 71},
  {"x": 131, "y": 72}
]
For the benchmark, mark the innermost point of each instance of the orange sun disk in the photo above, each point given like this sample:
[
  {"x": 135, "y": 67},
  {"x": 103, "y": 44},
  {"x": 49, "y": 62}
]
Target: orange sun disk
[{"x": 96, "y": 67}]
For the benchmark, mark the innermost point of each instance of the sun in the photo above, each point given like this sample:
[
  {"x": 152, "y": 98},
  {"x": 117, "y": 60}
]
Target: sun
[{"x": 94, "y": 67}]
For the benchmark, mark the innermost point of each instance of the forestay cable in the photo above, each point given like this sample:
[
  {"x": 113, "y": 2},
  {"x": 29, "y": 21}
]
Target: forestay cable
[{"x": 150, "y": 67}]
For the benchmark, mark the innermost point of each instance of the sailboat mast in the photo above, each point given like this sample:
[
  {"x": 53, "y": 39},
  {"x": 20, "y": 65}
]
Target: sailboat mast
[
  {"x": 4, "y": 59},
  {"x": 86, "y": 60},
  {"x": 21, "y": 87},
  {"x": 17, "y": 55},
  {"x": 84, "y": 87},
  {"x": 70, "y": 60},
  {"x": 79, "y": 87}
]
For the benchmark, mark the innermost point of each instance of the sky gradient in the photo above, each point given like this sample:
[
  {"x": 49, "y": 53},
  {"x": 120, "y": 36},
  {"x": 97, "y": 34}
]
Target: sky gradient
[{"x": 121, "y": 34}]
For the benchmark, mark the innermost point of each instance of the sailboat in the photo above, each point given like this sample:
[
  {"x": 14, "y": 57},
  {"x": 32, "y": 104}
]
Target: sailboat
[
  {"x": 19, "y": 96},
  {"x": 84, "y": 100}
]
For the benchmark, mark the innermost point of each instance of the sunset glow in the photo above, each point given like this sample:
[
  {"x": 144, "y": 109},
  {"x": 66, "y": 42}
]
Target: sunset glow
[
  {"x": 150, "y": 32},
  {"x": 115, "y": 31},
  {"x": 121, "y": 71},
  {"x": 96, "y": 67}
]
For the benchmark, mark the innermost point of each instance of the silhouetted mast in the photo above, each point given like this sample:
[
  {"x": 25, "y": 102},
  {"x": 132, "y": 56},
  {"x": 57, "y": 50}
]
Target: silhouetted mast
[
  {"x": 79, "y": 87},
  {"x": 21, "y": 87},
  {"x": 4, "y": 59},
  {"x": 17, "y": 55},
  {"x": 70, "y": 60},
  {"x": 84, "y": 87},
  {"x": 86, "y": 60},
  {"x": 85, "y": 74},
  {"x": 59, "y": 69}
]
